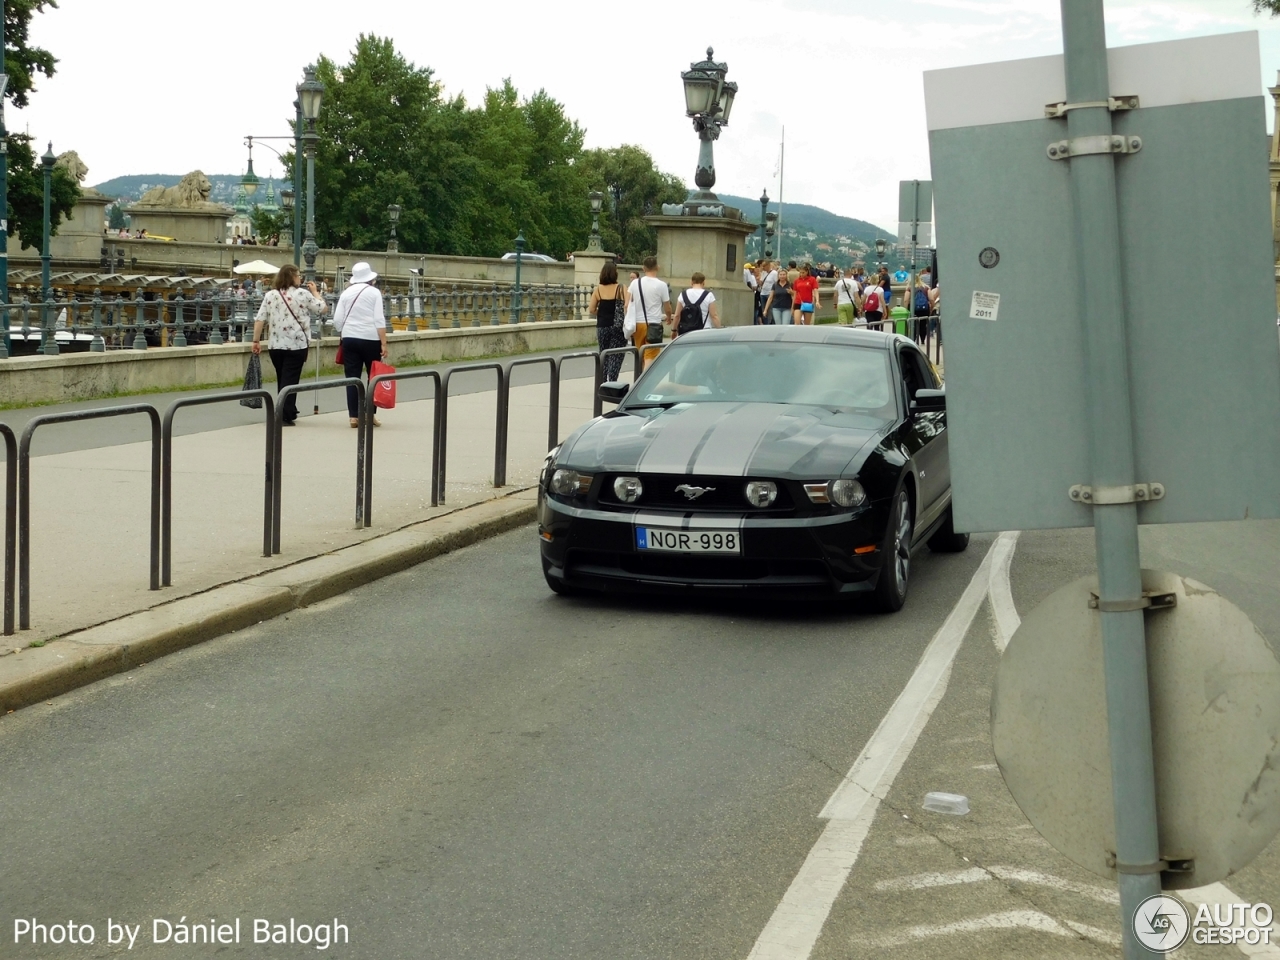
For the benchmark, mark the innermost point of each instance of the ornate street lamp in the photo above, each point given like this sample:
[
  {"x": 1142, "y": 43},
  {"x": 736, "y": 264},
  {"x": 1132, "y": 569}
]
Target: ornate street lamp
[
  {"x": 47, "y": 161},
  {"x": 297, "y": 181},
  {"x": 515, "y": 306},
  {"x": 393, "y": 215},
  {"x": 310, "y": 94},
  {"x": 770, "y": 228},
  {"x": 881, "y": 246},
  {"x": 593, "y": 242},
  {"x": 249, "y": 182},
  {"x": 708, "y": 99}
]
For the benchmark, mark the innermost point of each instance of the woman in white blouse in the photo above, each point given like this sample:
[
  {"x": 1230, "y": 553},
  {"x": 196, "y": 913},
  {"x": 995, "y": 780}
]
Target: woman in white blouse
[
  {"x": 360, "y": 322},
  {"x": 287, "y": 310}
]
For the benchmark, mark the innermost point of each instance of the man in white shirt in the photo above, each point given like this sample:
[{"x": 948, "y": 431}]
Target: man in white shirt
[
  {"x": 847, "y": 293},
  {"x": 360, "y": 321},
  {"x": 703, "y": 299},
  {"x": 650, "y": 304}
]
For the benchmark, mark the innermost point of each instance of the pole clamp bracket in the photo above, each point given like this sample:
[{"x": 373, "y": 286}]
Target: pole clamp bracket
[
  {"x": 1054, "y": 110},
  {"x": 1084, "y": 146},
  {"x": 1164, "y": 865},
  {"x": 1129, "y": 493},
  {"x": 1148, "y": 601}
]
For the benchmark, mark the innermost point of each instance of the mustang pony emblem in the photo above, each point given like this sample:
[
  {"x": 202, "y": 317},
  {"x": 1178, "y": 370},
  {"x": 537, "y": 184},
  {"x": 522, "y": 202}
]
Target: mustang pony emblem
[{"x": 693, "y": 493}]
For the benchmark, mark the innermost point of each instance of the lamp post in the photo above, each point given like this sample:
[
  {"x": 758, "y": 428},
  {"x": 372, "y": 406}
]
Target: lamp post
[
  {"x": 708, "y": 99},
  {"x": 593, "y": 242},
  {"x": 310, "y": 94},
  {"x": 881, "y": 246},
  {"x": 770, "y": 228},
  {"x": 393, "y": 215},
  {"x": 249, "y": 182},
  {"x": 764, "y": 213},
  {"x": 297, "y": 182},
  {"x": 515, "y": 307},
  {"x": 4, "y": 198},
  {"x": 47, "y": 162}
]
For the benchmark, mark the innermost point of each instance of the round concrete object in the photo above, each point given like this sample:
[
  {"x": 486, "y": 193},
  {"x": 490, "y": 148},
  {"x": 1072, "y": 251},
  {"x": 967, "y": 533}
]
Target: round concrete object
[{"x": 1215, "y": 714}]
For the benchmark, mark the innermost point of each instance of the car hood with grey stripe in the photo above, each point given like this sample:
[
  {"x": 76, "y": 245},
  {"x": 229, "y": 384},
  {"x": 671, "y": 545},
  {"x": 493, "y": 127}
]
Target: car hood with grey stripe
[{"x": 781, "y": 440}]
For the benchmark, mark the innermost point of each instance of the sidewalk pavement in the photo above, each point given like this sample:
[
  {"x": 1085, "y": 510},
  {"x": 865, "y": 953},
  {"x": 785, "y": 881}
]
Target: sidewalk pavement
[{"x": 90, "y": 602}]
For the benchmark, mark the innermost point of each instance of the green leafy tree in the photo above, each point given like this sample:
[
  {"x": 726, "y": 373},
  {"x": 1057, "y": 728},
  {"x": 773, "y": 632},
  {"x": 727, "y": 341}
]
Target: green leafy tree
[
  {"x": 1267, "y": 6},
  {"x": 267, "y": 223},
  {"x": 116, "y": 219},
  {"x": 633, "y": 188},
  {"x": 22, "y": 63}
]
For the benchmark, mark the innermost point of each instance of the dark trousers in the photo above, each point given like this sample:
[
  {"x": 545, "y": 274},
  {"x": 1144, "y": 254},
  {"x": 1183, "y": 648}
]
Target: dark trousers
[
  {"x": 288, "y": 364},
  {"x": 608, "y": 338},
  {"x": 358, "y": 355}
]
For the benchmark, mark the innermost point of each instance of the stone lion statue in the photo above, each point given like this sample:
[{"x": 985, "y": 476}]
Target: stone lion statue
[
  {"x": 192, "y": 191},
  {"x": 75, "y": 167}
]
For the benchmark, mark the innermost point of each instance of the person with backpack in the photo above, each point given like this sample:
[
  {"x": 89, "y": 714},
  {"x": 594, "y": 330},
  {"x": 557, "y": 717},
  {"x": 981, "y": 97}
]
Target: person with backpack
[
  {"x": 920, "y": 309},
  {"x": 697, "y": 307},
  {"x": 873, "y": 309}
]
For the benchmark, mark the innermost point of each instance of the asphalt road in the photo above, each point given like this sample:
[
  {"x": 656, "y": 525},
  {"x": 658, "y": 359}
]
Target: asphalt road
[
  {"x": 88, "y": 435},
  {"x": 455, "y": 763}
]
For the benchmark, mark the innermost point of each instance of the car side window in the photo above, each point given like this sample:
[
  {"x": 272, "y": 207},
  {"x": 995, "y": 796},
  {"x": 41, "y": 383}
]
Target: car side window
[{"x": 916, "y": 371}]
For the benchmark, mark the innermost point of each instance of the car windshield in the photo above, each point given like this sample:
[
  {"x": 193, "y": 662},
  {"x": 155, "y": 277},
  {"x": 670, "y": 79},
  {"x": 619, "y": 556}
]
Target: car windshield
[{"x": 820, "y": 374}]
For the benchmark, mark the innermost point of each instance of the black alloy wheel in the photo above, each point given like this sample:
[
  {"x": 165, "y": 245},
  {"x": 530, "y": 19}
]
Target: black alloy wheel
[{"x": 895, "y": 570}]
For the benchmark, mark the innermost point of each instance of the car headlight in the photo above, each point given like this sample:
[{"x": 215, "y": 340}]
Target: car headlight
[
  {"x": 847, "y": 493},
  {"x": 628, "y": 489},
  {"x": 568, "y": 483},
  {"x": 761, "y": 493}
]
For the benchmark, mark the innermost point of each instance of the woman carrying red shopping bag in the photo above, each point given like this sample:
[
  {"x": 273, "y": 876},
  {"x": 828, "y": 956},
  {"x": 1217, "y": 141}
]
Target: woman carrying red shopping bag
[{"x": 359, "y": 320}]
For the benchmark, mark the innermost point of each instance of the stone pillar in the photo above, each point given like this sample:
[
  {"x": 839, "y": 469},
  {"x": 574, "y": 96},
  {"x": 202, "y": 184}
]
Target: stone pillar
[
  {"x": 714, "y": 246},
  {"x": 587, "y": 265}
]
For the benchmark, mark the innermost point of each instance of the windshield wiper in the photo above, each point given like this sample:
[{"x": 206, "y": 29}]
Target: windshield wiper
[{"x": 664, "y": 405}]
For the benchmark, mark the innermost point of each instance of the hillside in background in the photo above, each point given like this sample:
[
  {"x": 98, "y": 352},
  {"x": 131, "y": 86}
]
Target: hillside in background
[{"x": 812, "y": 233}]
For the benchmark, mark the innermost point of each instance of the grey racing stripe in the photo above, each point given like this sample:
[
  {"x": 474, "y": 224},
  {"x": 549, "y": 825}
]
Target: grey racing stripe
[
  {"x": 729, "y": 449},
  {"x": 681, "y": 434}
]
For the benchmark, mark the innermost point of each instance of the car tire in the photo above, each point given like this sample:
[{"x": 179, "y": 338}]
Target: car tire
[
  {"x": 946, "y": 540},
  {"x": 895, "y": 570}
]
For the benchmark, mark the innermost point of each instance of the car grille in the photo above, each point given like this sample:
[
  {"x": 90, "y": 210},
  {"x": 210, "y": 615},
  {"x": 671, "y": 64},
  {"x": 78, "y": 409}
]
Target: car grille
[
  {"x": 703, "y": 569},
  {"x": 723, "y": 494}
]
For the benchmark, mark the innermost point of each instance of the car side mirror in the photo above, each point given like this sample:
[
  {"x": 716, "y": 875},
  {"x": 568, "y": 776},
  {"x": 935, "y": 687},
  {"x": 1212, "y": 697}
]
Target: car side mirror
[
  {"x": 613, "y": 391},
  {"x": 929, "y": 401}
]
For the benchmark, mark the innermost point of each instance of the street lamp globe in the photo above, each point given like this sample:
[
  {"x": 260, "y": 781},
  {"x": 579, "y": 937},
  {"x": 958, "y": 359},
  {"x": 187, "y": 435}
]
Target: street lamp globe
[
  {"x": 708, "y": 99},
  {"x": 596, "y": 198},
  {"x": 286, "y": 199},
  {"x": 310, "y": 94},
  {"x": 881, "y": 246}
]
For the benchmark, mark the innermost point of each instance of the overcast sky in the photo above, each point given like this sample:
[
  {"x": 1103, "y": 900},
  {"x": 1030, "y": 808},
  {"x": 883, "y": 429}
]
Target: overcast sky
[{"x": 157, "y": 86}]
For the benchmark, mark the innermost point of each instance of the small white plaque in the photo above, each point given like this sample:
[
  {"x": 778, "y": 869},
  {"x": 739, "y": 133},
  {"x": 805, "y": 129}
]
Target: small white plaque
[{"x": 985, "y": 306}]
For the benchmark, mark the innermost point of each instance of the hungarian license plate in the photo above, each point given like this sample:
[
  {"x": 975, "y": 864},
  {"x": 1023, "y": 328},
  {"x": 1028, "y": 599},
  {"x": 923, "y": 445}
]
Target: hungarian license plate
[{"x": 688, "y": 541}]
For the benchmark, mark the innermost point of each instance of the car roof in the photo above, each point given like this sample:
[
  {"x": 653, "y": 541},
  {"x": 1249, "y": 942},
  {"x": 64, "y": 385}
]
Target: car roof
[{"x": 823, "y": 333}]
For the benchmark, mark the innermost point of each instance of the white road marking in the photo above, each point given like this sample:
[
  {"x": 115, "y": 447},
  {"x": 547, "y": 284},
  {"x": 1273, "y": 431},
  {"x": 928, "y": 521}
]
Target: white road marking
[
  {"x": 923, "y": 881},
  {"x": 1006, "y": 614},
  {"x": 798, "y": 920},
  {"x": 1217, "y": 893},
  {"x": 1007, "y": 920}
]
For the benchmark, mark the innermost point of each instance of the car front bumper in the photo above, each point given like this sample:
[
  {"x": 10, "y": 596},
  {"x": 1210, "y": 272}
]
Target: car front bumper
[{"x": 596, "y": 549}]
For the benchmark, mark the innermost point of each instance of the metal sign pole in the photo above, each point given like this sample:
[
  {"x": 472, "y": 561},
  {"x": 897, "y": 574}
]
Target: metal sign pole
[{"x": 1110, "y": 416}]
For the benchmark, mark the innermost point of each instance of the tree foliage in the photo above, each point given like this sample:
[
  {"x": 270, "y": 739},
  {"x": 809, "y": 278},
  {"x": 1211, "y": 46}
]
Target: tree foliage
[
  {"x": 467, "y": 178},
  {"x": 1267, "y": 6},
  {"x": 22, "y": 62},
  {"x": 633, "y": 189}
]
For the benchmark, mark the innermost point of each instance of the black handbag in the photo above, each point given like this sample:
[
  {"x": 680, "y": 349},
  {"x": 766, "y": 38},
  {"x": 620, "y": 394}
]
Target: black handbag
[
  {"x": 653, "y": 332},
  {"x": 253, "y": 381}
]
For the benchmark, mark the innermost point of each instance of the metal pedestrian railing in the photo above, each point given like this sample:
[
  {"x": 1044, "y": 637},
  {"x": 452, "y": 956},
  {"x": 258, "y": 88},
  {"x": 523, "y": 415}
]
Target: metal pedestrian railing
[
  {"x": 434, "y": 377},
  {"x": 364, "y": 422},
  {"x": 442, "y": 432},
  {"x": 166, "y": 472},
  {"x": 10, "y": 522},
  {"x": 24, "y": 492}
]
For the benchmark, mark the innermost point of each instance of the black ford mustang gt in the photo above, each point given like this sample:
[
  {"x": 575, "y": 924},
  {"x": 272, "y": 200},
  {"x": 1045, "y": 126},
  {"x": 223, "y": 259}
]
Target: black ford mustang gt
[{"x": 756, "y": 457}]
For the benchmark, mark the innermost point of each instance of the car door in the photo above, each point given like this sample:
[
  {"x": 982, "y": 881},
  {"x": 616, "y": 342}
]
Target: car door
[{"x": 928, "y": 433}]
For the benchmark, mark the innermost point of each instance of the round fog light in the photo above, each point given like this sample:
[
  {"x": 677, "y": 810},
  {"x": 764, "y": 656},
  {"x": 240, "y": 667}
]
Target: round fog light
[
  {"x": 628, "y": 489},
  {"x": 761, "y": 493},
  {"x": 847, "y": 493},
  {"x": 564, "y": 482}
]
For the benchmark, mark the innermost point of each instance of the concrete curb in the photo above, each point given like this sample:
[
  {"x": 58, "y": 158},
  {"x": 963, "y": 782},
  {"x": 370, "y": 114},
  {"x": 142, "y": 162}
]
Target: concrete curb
[{"x": 62, "y": 665}]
